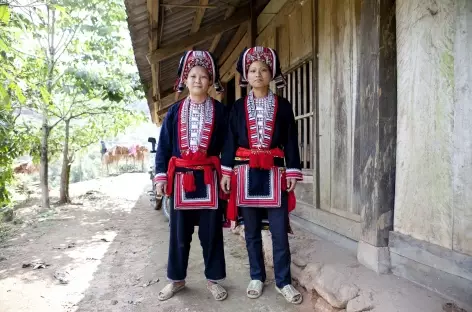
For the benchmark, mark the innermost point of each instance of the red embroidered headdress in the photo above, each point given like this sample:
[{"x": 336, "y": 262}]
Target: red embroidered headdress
[
  {"x": 262, "y": 54},
  {"x": 191, "y": 59}
]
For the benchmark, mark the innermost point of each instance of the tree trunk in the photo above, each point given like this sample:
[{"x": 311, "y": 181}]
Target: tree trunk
[
  {"x": 64, "y": 190},
  {"x": 43, "y": 171},
  {"x": 44, "y": 160}
]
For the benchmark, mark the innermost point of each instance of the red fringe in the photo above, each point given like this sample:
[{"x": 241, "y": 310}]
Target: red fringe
[
  {"x": 189, "y": 182},
  {"x": 266, "y": 161},
  {"x": 292, "y": 200},
  {"x": 232, "y": 210},
  {"x": 254, "y": 161},
  {"x": 261, "y": 160},
  {"x": 208, "y": 175}
]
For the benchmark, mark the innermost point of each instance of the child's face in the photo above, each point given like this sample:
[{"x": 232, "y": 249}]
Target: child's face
[
  {"x": 259, "y": 75},
  {"x": 198, "y": 81}
]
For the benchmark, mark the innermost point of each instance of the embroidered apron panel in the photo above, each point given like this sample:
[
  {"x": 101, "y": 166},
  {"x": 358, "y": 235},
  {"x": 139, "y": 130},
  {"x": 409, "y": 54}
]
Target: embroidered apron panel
[
  {"x": 258, "y": 187},
  {"x": 204, "y": 197}
]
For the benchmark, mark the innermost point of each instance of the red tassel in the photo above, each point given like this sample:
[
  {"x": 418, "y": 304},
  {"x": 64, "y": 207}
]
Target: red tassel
[
  {"x": 284, "y": 181},
  {"x": 232, "y": 210},
  {"x": 292, "y": 201},
  {"x": 254, "y": 161},
  {"x": 189, "y": 182},
  {"x": 208, "y": 175},
  {"x": 266, "y": 161}
]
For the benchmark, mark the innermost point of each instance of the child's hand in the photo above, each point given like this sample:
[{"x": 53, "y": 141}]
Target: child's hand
[
  {"x": 291, "y": 183},
  {"x": 161, "y": 188},
  {"x": 226, "y": 184}
]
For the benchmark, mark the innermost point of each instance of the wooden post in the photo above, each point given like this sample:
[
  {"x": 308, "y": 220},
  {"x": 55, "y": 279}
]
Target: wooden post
[
  {"x": 237, "y": 93},
  {"x": 252, "y": 29},
  {"x": 376, "y": 131},
  {"x": 316, "y": 112}
]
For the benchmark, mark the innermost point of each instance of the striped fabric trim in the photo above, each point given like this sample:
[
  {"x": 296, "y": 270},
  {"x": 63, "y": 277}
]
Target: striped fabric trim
[
  {"x": 227, "y": 171},
  {"x": 294, "y": 173},
  {"x": 160, "y": 177}
]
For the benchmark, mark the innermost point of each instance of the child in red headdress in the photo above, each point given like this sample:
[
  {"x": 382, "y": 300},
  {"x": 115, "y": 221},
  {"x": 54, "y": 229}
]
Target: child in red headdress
[
  {"x": 261, "y": 167},
  {"x": 188, "y": 170}
]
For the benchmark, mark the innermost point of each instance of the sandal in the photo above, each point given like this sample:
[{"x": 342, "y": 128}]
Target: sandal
[
  {"x": 255, "y": 286},
  {"x": 218, "y": 292},
  {"x": 169, "y": 291},
  {"x": 291, "y": 294}
]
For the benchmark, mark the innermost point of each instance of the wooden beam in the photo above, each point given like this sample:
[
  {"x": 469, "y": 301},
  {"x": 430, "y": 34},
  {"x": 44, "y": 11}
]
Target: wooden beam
[
  {"x": 195, "y": 6},
  {"x": 202, "y": 35},
  {"x": 269, "y": 12},
  {"x": 153, "y": 44},
  {"x": 252, "y": 30},
  {"x": 197, "y": 21},
  {"x": 233, "y": 57},
  {"x": 170, "y": 99},
  {"x": 238, "y": 36},
  {"x": 217, "y": 38}
]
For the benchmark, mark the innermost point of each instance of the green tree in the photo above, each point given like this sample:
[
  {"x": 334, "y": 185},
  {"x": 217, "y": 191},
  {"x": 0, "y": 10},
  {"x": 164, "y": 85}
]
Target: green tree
[
  {"x": 59, "y": 33},
  {"x": 15, "y": 136},
  {"x": 92, "y": 105}
]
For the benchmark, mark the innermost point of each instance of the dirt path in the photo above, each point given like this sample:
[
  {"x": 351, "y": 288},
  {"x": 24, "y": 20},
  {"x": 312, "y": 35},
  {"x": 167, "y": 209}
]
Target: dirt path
[{"x": 106, "y": 251}]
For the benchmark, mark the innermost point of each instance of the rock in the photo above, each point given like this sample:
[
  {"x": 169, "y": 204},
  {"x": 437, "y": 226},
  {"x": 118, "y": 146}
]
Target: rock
[
  {"x": 35, "y": 265},
  {"x": 299, "y": 262},
  {"x": 452, "y": 307},
  {"x": 296, "y": 272},
  {"x": 322, "y": 306},
  {"x": 267, "y": 248},
  {"x": 329, "y": 284},
  {"x": 363, "y": 302},
  {"x": 62, "y": 276},
  {"x": 308, "y": 275},
  {"x": 114, "y": 302},
  {"x": 7, "y": 215},
  {"x": 150, "y": 282}
]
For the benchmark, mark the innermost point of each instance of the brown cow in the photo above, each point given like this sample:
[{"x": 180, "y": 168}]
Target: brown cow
[{"x": 26, "y": 168}]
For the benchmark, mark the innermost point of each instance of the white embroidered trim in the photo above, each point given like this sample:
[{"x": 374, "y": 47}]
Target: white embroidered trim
[{"x": 294, "y": 173}]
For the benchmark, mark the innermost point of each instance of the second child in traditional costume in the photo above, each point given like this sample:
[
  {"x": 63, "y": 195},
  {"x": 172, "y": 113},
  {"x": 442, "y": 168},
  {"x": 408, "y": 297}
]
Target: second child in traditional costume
[
  {"x": 188, "y": 170},
  {"x": 261, "y": 165}
]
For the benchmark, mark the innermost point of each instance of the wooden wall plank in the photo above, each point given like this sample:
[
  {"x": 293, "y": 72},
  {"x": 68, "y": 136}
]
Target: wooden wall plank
[
  {"x": 283, "y": 46},
  {"x": 306, "y": 109},
  {"x": 325, "y": 101},
  {"x": 342, "y": 106},
  {"x": 306, "y": 30},
  {"x": 295, "y": 37},
  {"x": 299, "y": 111}
]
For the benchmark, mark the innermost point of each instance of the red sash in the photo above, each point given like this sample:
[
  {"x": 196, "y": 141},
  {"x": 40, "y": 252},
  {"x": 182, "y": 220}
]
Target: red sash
[{"x": 196, "y": 160}]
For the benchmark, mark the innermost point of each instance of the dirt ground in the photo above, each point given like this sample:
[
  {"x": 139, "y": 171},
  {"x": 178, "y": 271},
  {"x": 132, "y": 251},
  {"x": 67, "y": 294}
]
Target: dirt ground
[{"x": 107, "y": 252}]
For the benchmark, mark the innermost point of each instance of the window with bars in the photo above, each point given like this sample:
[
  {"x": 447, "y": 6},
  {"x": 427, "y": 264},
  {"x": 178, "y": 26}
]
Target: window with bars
[{"x": 299, "y": 91}]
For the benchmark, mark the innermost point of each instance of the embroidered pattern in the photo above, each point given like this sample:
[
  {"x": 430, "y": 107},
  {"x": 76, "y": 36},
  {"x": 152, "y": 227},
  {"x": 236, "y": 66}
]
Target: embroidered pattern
[
  {"x": 182, "y": 200},
  {"x": 196, "y": 125},
  {"x": 274, "y": 189},
  {"x": 198, "y": 58},
  {"x": 261, "y": 54},
  {"x": 261, "y": 114}
]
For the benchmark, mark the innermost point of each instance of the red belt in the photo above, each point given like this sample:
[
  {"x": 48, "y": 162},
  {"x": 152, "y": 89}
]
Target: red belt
[
  {"x": 263, "y": 159},
  {"x": 207, "y": 164}
]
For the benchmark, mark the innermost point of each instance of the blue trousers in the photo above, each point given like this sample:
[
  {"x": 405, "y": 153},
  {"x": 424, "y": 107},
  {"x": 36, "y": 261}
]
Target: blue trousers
[
  {"x": 278, "y": 225},
  {"x": 210, "y": 232}
]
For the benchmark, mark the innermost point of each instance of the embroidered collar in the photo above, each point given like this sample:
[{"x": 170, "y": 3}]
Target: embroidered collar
[
  {"x": 271, "y": 106},
  {"x": 206, "y": 131}
]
